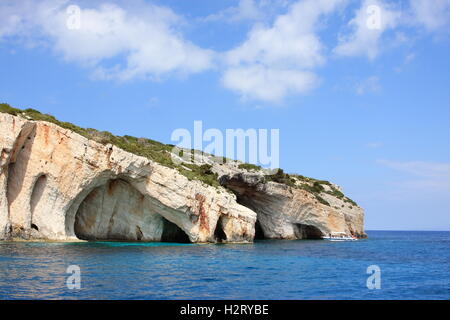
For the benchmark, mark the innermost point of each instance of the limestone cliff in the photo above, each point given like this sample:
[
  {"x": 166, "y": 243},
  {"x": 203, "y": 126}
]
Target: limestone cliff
[
  {"x": 56, "y": 184},
  {"x": 288, "y": 212}
]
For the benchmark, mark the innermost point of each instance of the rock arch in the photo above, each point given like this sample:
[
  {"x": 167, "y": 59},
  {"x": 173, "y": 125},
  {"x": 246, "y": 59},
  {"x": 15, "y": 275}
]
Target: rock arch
[
  {"x": 282, "y": 212},
  {"x": 116, "y": 210},
  {"x": 16, "y": 175},
  {"x": 219, "y": 232},
  {"x": 305, "y": 231},
  {"x": 172, "y": 233},
  {"x": 75, "y": 166},
  {"x": 35, "y": 204}
]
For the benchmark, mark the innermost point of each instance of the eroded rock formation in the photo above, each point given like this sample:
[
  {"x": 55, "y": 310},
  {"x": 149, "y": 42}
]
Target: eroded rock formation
[
  {"x": 286, "y": 212},
  {"x": 57, "y": 185}
]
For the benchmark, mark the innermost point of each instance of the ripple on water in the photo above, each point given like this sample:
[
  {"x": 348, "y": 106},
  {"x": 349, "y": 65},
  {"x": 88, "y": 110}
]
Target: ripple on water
[{"x": 414, "y": 266}]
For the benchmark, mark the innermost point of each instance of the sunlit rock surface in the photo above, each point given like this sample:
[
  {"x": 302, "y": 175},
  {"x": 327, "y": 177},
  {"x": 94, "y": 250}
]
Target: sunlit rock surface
[
  {"x": 58, "y": 185},
  {"x": 291, "y": 213}
]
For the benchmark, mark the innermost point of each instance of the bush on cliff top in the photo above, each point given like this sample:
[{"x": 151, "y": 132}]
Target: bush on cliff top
[
  {"x": 144, "y": 147},
  {"x": 160, "y": 153},
  {"x": 249, "y": 166},
  {"x": 281, "y": 177},
  {"x": 6, "y": 108}
]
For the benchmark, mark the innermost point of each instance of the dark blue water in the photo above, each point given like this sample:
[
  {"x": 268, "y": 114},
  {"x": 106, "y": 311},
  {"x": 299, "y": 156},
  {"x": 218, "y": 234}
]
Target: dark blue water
[{"x": 414, "y": 265}]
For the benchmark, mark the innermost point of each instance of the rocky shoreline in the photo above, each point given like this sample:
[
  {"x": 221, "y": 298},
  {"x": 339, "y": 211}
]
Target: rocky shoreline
[{"x": 56, "y": 184}]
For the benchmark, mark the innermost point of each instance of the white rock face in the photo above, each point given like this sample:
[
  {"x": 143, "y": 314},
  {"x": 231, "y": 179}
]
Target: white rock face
[
  {"x": 55, "y": 183},
  {"x": 58, "y": 185},
  {"x": 116, "y": 209},
  {"x": 291, "y": 213}
]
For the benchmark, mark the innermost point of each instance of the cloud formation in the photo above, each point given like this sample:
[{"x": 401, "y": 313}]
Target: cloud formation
[
  {"x": 371, "y": 21},
  {"x": 421, "y": 168},
  {"x": 245, "y": 10},
  {"x": 279, "y": 56},
  {"x": 368, "y": 29},
  {"x": 277, "y": 60},
  {"x": 147, "y": 39},
  {"x": 432, "y": 15},
  {"x": 421, "y": 174}
]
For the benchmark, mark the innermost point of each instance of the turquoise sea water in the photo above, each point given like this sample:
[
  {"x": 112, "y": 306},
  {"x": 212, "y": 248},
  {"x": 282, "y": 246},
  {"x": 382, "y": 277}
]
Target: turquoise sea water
[{"x": 414, "y": 265}]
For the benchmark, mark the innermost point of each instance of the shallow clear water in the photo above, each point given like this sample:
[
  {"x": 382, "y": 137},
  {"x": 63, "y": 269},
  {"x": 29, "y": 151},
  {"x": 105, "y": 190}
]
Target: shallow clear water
[{"x": 414, "y": 265}]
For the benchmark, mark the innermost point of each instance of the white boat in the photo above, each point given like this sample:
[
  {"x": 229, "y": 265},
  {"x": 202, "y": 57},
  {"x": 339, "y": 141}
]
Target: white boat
[{"x": 339, "y": 236}]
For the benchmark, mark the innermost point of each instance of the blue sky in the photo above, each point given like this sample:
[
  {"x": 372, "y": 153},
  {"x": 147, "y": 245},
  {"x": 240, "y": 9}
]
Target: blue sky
[{"x": 361, "y": 98}]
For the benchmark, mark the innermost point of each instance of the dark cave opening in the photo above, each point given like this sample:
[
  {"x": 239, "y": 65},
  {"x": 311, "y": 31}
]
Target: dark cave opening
[
  {"x": 259, "y": 233},
  {"x": 219, "y": 234},
  {"x": 173, "y": 233},
  {"x": 305, "y": 231},
  {"x": 242, "y": 200},
  {"x": 36, "y": 195},
  {"x": 117, "y": 211}
]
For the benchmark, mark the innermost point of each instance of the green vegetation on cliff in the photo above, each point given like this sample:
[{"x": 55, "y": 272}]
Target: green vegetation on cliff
[
  {"x": 314, "y": 186},
  {"x": 144, "y": 147},
  {"x": 249, "y": 166},
  {"x": 161, "y": 153}
]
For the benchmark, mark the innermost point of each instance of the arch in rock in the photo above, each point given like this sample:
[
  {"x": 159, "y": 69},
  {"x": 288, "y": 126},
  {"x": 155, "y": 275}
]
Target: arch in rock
[
  {"x": 173, "y": 233},
  {"x": 16, "y": 172},
  {"x": 219, "y": 233},
  {"x": 305, "y": 231},
  {"x": 36, "y": 196},
  {"x": 117, "y": 210},
  {"x": 259, "y": 233}
]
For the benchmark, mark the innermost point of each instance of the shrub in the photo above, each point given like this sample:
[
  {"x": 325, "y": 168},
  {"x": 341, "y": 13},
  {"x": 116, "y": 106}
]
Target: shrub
[
  {"x": 322, "y": 200},
  {"x": 6, "y": 108},
  {"x": 249, "y": 166},
  {"x": 281, "y": 177},
  {"x": 317, "y": 187},
  {"x": 350, "y": 201},
  {"x": 202, "y": 173}
]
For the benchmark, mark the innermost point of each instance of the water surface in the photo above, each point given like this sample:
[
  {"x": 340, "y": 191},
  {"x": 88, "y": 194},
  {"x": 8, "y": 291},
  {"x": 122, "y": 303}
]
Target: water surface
[{"x": 414, "y": 265}]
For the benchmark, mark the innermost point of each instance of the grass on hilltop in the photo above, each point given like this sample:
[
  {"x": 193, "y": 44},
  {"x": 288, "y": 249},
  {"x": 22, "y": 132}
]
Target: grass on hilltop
[
  {"x": 161, "y": 153},
  {"x": 144, "y": 147}
]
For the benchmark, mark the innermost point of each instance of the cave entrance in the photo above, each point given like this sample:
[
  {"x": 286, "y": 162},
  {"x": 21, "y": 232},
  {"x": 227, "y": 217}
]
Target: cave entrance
[
  {"x": 259, "y": 233},
  {"x": 219, "y": 233},
  {"x": 117, "y": 211},
  {"x": 173, "y": 233},
  {"x": 304, "y": 231},
  {"x": 36, "y": 195}
]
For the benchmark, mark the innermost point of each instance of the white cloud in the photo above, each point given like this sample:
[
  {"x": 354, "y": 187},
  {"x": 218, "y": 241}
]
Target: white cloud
[
  {"x": 372, "y": 19},
  {"x": 368, "y": 34},
  {"x": 421, "y": 168},
  {"x": 275, "y": 61},
  {"x": 422, "y": 176},
  {"x": 145, "y": 42},
  {"x": 278, "y": 58},
  {"x": 432, "y": 14},
  {"x": 248, "y": 10},
  {"x": 245, "y": 10},
  {"x": 369, "y": 85},
  {"x": 268, "y": 84}
]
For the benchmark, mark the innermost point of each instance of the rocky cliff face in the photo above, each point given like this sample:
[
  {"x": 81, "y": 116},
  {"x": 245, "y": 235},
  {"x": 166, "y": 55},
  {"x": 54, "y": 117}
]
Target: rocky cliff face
[
  {"x": 288, "y": 212},
  {"x": 58, "y": 185}
]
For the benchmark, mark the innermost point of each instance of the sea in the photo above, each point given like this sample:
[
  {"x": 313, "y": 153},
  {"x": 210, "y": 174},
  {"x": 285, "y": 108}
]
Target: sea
[{"x": 387, "y": 265}]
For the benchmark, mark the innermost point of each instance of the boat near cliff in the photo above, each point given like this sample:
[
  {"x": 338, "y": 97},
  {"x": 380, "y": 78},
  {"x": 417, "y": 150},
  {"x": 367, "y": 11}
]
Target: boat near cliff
[
  {"x": 65, "y": 183},
  {"x": 339, "y": 236}
]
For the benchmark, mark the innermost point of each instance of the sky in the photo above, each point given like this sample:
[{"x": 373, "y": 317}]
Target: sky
[{"x": 359, "y": 90}]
